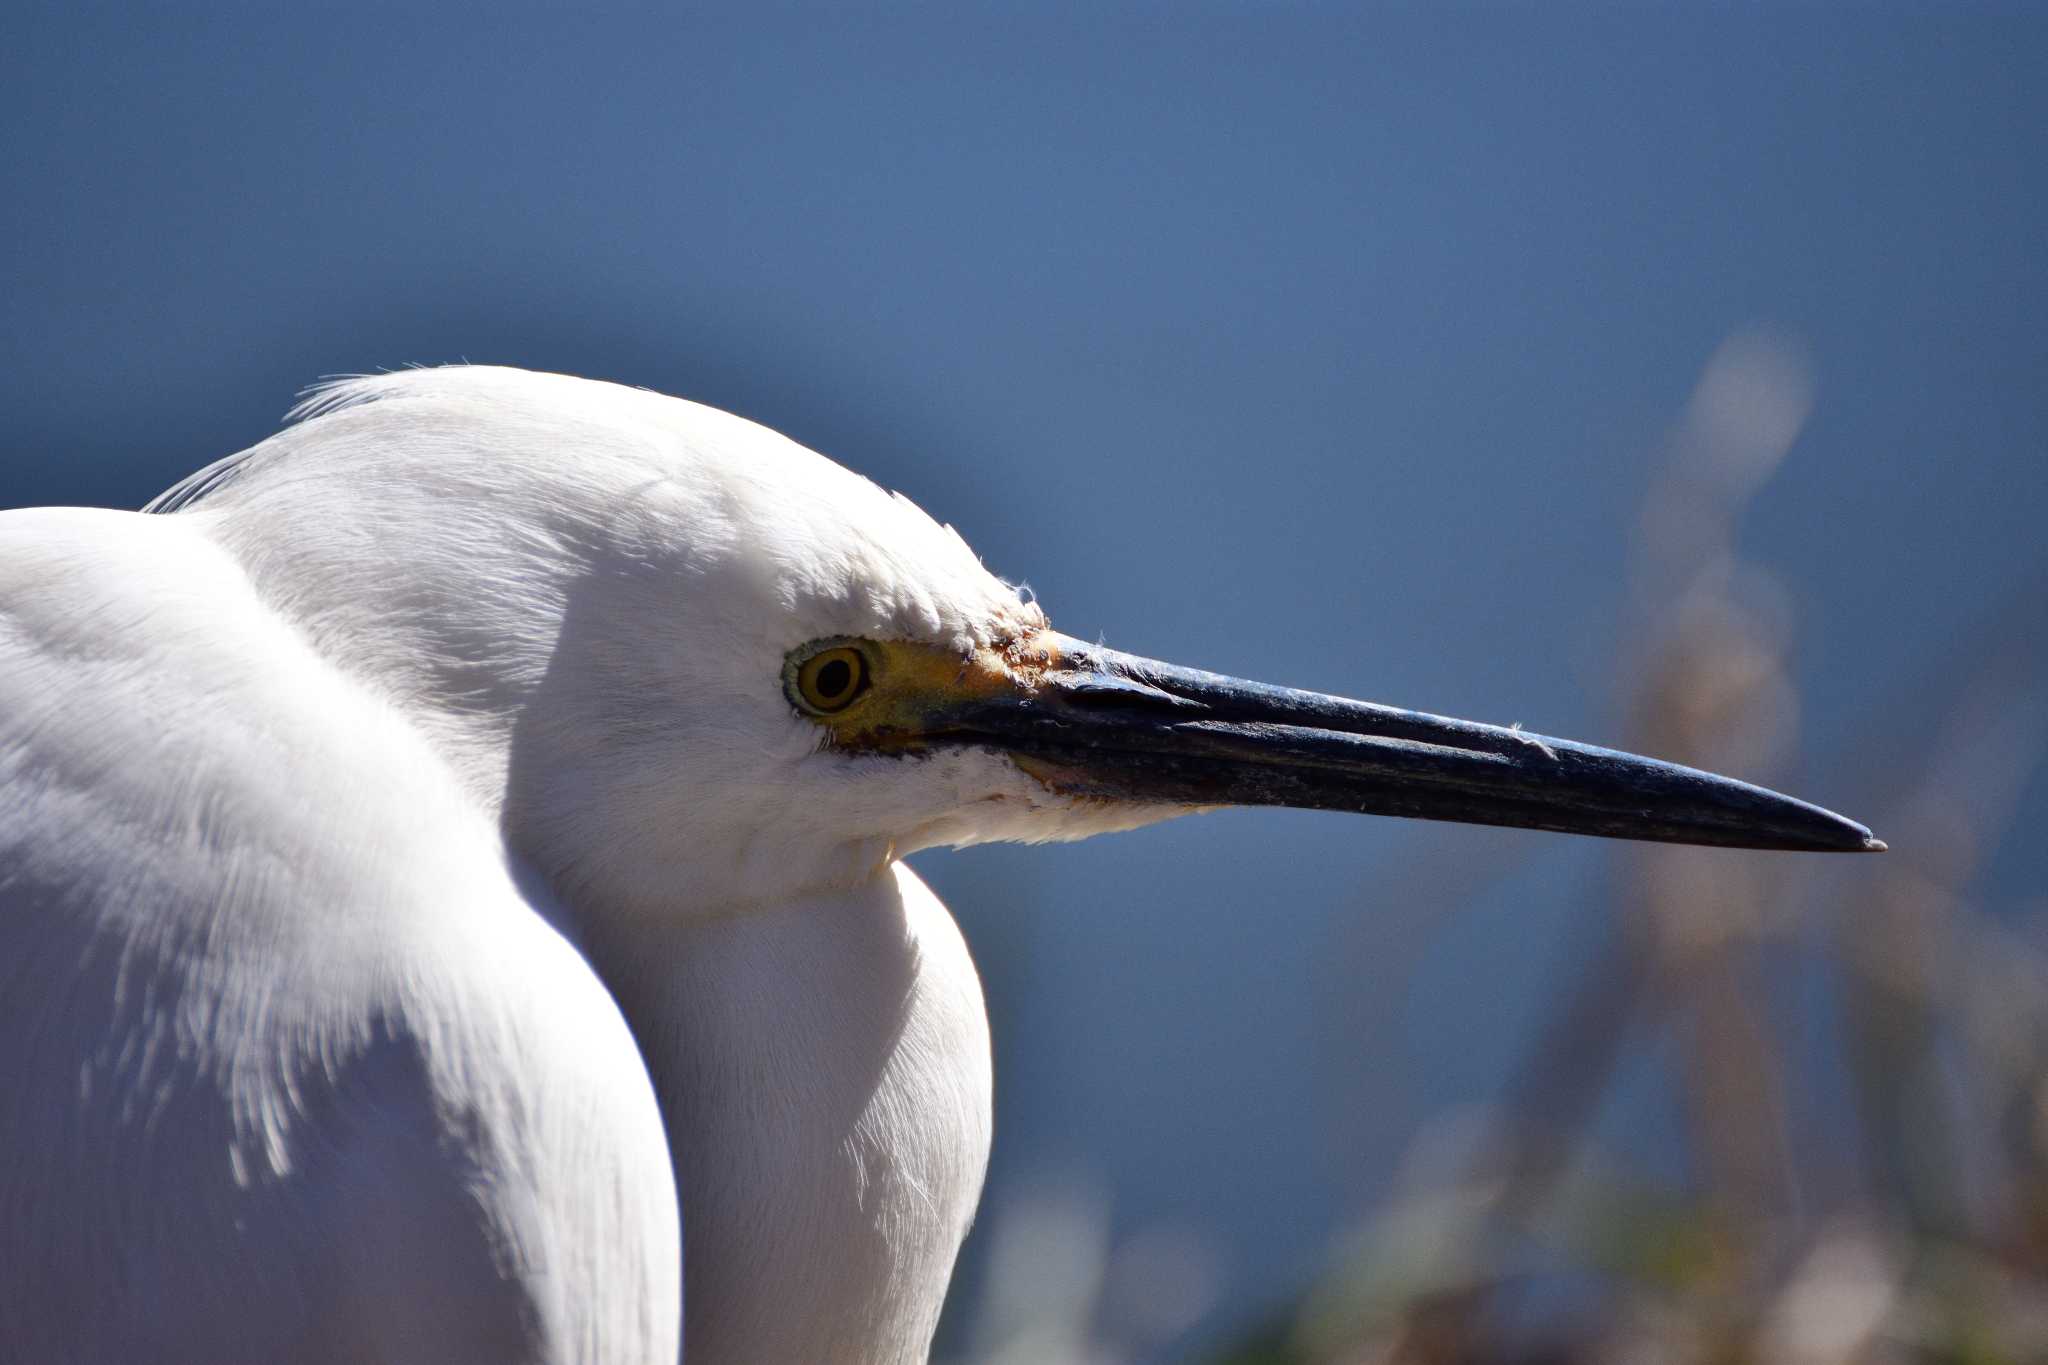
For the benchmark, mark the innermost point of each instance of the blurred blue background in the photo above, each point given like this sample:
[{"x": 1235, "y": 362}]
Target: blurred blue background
[{"x": 1334, "y": 347}]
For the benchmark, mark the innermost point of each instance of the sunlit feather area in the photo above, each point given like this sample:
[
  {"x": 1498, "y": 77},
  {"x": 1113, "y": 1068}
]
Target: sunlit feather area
[{"x": 1669, "y": 381}]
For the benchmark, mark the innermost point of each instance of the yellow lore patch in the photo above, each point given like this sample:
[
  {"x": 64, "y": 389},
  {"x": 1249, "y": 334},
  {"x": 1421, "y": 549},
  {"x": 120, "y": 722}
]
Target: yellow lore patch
[{"x": 908, "y": 690}]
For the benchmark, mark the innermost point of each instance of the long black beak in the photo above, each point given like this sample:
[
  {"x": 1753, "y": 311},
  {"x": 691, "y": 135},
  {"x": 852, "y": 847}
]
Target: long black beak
[{"x": 1110, "y": 724}]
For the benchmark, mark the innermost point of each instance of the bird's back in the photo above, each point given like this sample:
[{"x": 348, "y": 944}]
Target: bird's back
[{"x": 297, "y": 1066}]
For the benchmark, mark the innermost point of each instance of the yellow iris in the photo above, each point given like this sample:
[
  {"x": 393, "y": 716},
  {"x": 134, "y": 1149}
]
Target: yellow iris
[{"x": 832, "y": 678}]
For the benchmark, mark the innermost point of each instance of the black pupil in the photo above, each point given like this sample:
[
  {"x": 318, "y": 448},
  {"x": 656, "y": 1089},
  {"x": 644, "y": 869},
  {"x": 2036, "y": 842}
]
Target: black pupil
[{"x": 835, "y": 679}]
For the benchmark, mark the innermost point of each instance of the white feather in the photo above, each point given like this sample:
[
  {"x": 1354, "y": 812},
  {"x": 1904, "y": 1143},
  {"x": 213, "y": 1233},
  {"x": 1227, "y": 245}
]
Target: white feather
[{"x": 413, "y": 883}]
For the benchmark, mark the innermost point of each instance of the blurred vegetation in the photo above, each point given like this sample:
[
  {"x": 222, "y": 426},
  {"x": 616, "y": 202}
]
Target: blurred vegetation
[
  {"x": 1873, "y": 1193},
  {"x": 1860, "y": 1052}
]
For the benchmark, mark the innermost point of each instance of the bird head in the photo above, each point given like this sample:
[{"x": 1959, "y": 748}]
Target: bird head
[{"x": 693, "y": 664}]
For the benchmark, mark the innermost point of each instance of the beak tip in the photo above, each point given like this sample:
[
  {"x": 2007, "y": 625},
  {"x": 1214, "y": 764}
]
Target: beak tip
[{"x": 1873, "y": 844}]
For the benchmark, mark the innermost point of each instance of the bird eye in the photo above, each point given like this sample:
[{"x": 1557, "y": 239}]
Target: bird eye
[{"x": 832, "y": 678}]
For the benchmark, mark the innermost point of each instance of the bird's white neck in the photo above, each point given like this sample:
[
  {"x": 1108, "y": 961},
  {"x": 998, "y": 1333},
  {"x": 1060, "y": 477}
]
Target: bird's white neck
[{"x": 823, "y": 1069}]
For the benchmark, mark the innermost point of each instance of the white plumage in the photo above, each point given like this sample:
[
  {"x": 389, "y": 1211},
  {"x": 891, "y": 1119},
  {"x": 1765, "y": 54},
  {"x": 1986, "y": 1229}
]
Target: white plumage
[{"x": 432, "y": 913}]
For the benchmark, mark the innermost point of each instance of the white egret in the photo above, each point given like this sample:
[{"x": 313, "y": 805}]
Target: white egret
[{"x": 451, "y": 904}]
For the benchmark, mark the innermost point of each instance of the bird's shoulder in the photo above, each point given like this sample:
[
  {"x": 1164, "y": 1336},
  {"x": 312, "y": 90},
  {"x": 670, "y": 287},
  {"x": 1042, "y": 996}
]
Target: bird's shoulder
[
  {"x": 300, "y": 1064},
  {"x": 176, "y": 757}
]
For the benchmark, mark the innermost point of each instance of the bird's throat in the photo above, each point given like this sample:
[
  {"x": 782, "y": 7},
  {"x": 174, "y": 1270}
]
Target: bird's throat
[{"x": 823, "y": 1068}]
